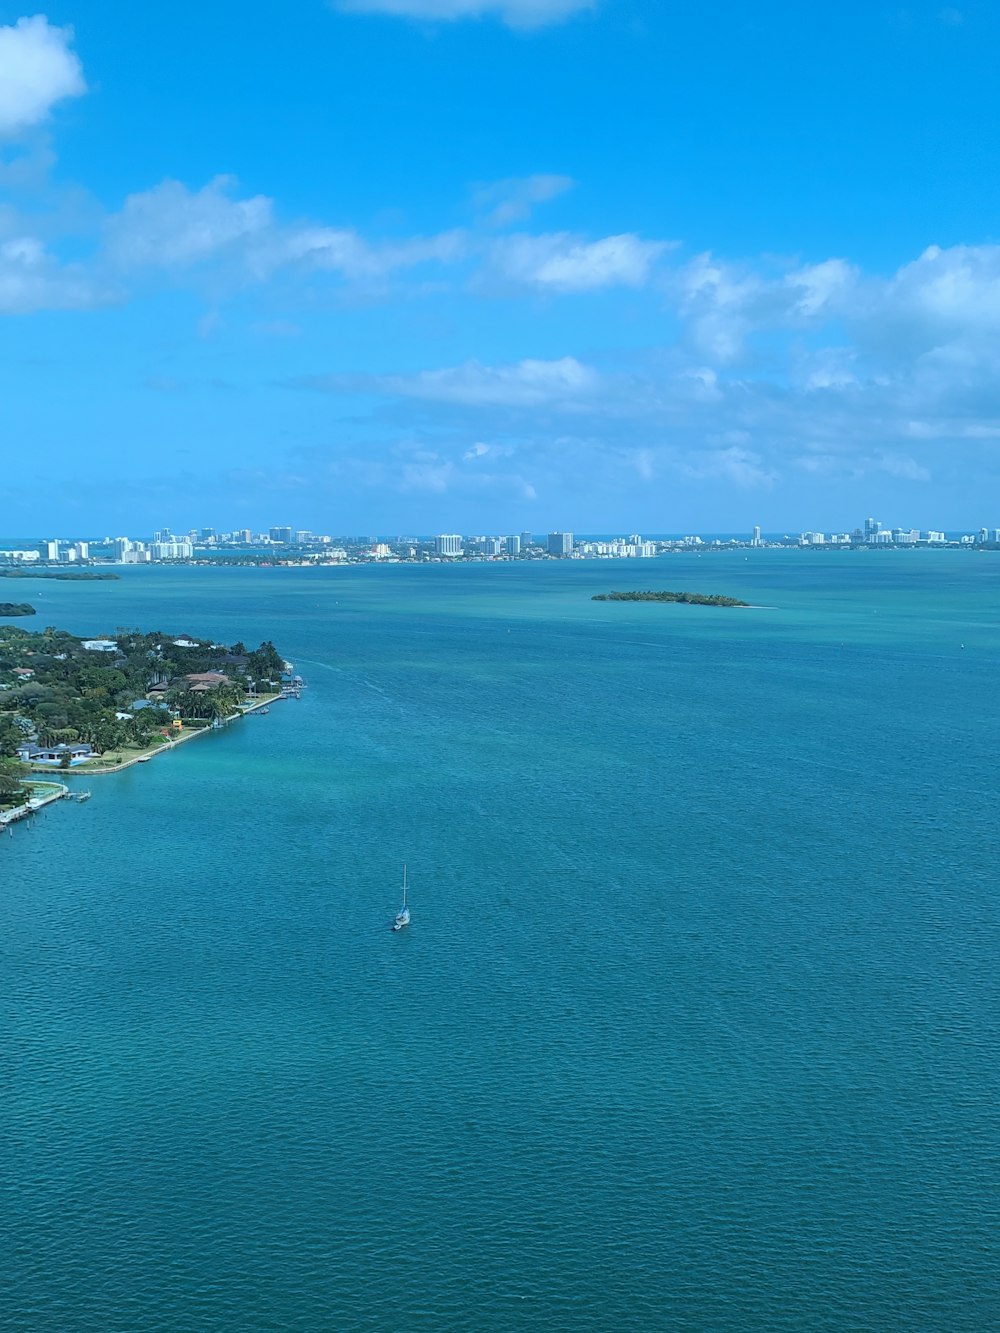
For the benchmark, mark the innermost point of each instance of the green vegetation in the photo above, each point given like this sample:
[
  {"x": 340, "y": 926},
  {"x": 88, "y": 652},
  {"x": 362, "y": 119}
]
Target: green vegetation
[
  {"x": 67, "y": 575},
  {"x": 692, "y": 598},
  {"x": 16, "y": 609},
  {"x": 54, "y": 691}
]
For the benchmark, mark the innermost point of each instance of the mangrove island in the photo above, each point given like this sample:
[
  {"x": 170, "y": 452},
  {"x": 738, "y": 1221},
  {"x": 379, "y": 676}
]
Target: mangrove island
[
  {"x": 691, "y": 598},
  {"x": 16, "y": 609}
]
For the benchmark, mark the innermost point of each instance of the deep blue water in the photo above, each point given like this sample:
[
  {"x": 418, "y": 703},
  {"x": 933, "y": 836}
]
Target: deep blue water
[{"x": 696, "y": 1023}]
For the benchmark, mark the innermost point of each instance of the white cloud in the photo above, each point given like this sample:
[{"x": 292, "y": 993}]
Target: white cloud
[
  {"x": 31, "y": 279},
  {"x": 37, "y": 70},
  {"x": 171, "y": 226},
  {"x": 525, "y": 14},
  {"x": 529, "y": 383},
  {"x": 512, "y": 200},
  {"x": 560, "y": 262},
  {"x": 743, "y": 467}
]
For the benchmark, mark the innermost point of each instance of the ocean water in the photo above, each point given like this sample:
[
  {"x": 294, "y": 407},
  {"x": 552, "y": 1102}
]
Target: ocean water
[{"x": 695, "y": 1027}]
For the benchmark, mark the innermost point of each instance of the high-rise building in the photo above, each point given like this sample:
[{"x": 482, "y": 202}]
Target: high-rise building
[
  {"x": 526, "y": 540},
  {"x": 872, "y": 528},
  {"x": 50, "y": 551},
  {"x": 303, "y": 537},
  {"x": 492, "y": 545},
  {"x": 984, "y": 536},
  {"x": 448, "y": 543},
  {"x": 755, "y": 540},
  {"x": 280, "y": 534},
  {"x": 172, "y": 550},
  {"x": 513, "y": 545},
  {"x": 119, "y": 547},
  {"x": 80, "y": 551},
  {"x": 164, "y": 535},
  {"x": 560, "y": 543}
]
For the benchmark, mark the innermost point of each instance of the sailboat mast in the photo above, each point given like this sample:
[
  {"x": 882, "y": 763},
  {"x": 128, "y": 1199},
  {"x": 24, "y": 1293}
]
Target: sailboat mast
[{"x": 404, "y": 885}]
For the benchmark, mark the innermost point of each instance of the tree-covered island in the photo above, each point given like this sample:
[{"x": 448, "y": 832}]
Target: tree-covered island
[
  {"x": 691, "y": 598},
  {"x": 68, "y": 703},
  {"x": 16, "y": 609}
]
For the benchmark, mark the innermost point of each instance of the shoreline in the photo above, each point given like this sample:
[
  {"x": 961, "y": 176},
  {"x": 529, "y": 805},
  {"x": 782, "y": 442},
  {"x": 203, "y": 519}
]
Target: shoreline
[{"x": 85, "y": 772}]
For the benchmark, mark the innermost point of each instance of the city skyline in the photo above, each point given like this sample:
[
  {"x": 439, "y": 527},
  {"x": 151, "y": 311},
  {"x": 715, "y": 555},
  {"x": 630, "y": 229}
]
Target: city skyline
[{"x": 527, "y": 293}]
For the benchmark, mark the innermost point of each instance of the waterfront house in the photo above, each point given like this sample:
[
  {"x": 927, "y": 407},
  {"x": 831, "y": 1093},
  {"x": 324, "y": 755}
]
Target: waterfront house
[
  {"x": 55, "y": 754},
  {"x": 99, "y": 645},
  {"x": 206, "y": 680}
]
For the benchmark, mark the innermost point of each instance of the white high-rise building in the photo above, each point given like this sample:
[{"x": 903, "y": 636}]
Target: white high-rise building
[
  {"x": 513, "y": 545},
  {"x": 448, "y": 543},
  {"x": 755, "y": 540}
]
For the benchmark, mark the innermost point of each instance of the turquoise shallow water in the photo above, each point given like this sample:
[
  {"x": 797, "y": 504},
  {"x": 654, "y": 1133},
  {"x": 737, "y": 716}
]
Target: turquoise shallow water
[{"x": 696, "y": 1023}]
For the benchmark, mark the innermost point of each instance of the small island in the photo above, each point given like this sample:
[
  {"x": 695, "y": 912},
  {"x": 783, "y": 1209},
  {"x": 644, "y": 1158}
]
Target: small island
[
  {"x": 64, "y": 575},
  {"x": 16, "y": 609},
  {"x": 689, "y": 598},
  {"x": 69, "y": 704}
]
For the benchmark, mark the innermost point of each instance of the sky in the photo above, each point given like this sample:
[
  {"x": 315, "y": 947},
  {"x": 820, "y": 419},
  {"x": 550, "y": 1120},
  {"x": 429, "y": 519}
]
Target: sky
[{"x": 408, "y": 266}]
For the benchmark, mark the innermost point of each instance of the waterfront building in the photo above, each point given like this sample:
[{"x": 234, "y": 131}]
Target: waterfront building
[
  {"x": 55, "y": 755},
  {"x": 560, "y": 543},
  {"x": 171, "y": 550},
  {"x": 526, "y": 540},
  {"x": 281, "y": 535},
  {"x": 513, "y": 545},
  {"x": 120, "y": 548},
  {"x": 935, "y": 537},
  {"x": 755, "y": 540},
  {"x": 50, "y": 551},
  {"x": 18, "y": 557},
  {"x": 872, "y": 529},
  {"x": 448, "y": 543}
]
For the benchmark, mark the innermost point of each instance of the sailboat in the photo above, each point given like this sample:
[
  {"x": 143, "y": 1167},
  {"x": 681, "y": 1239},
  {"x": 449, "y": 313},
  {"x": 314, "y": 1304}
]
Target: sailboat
[{"x": 403, "y": 915}]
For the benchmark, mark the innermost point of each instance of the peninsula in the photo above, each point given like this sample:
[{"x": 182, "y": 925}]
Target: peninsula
[
  {"x": 93, "y": 705},
  {"x": 691, "y": 598}
]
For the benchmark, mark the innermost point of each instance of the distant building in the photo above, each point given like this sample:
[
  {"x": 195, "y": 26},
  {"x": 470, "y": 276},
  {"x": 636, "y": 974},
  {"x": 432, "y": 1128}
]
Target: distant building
[
  {"x": 513, "y": 545},
  {"x": 492, "y": 546},
  {"x": 50, "y": 551},
  {"x": 872, "y": 529},
  {"x": 560, "y": 543},
  {"x": 448, "y": 543},
  {"x": 99, "y": 645},
  {"x": 120, "y": 547},
  {"x": 527, "y": 539},
  {"x": 172, "y": 550},
  {"x": 280, "y": 534},
  {"x": 935, "y": 537},
  {"x": 755, "y": 540}
]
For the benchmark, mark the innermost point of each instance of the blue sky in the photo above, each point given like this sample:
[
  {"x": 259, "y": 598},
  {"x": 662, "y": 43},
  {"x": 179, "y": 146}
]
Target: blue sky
[{"x": 419, "y": 265}]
